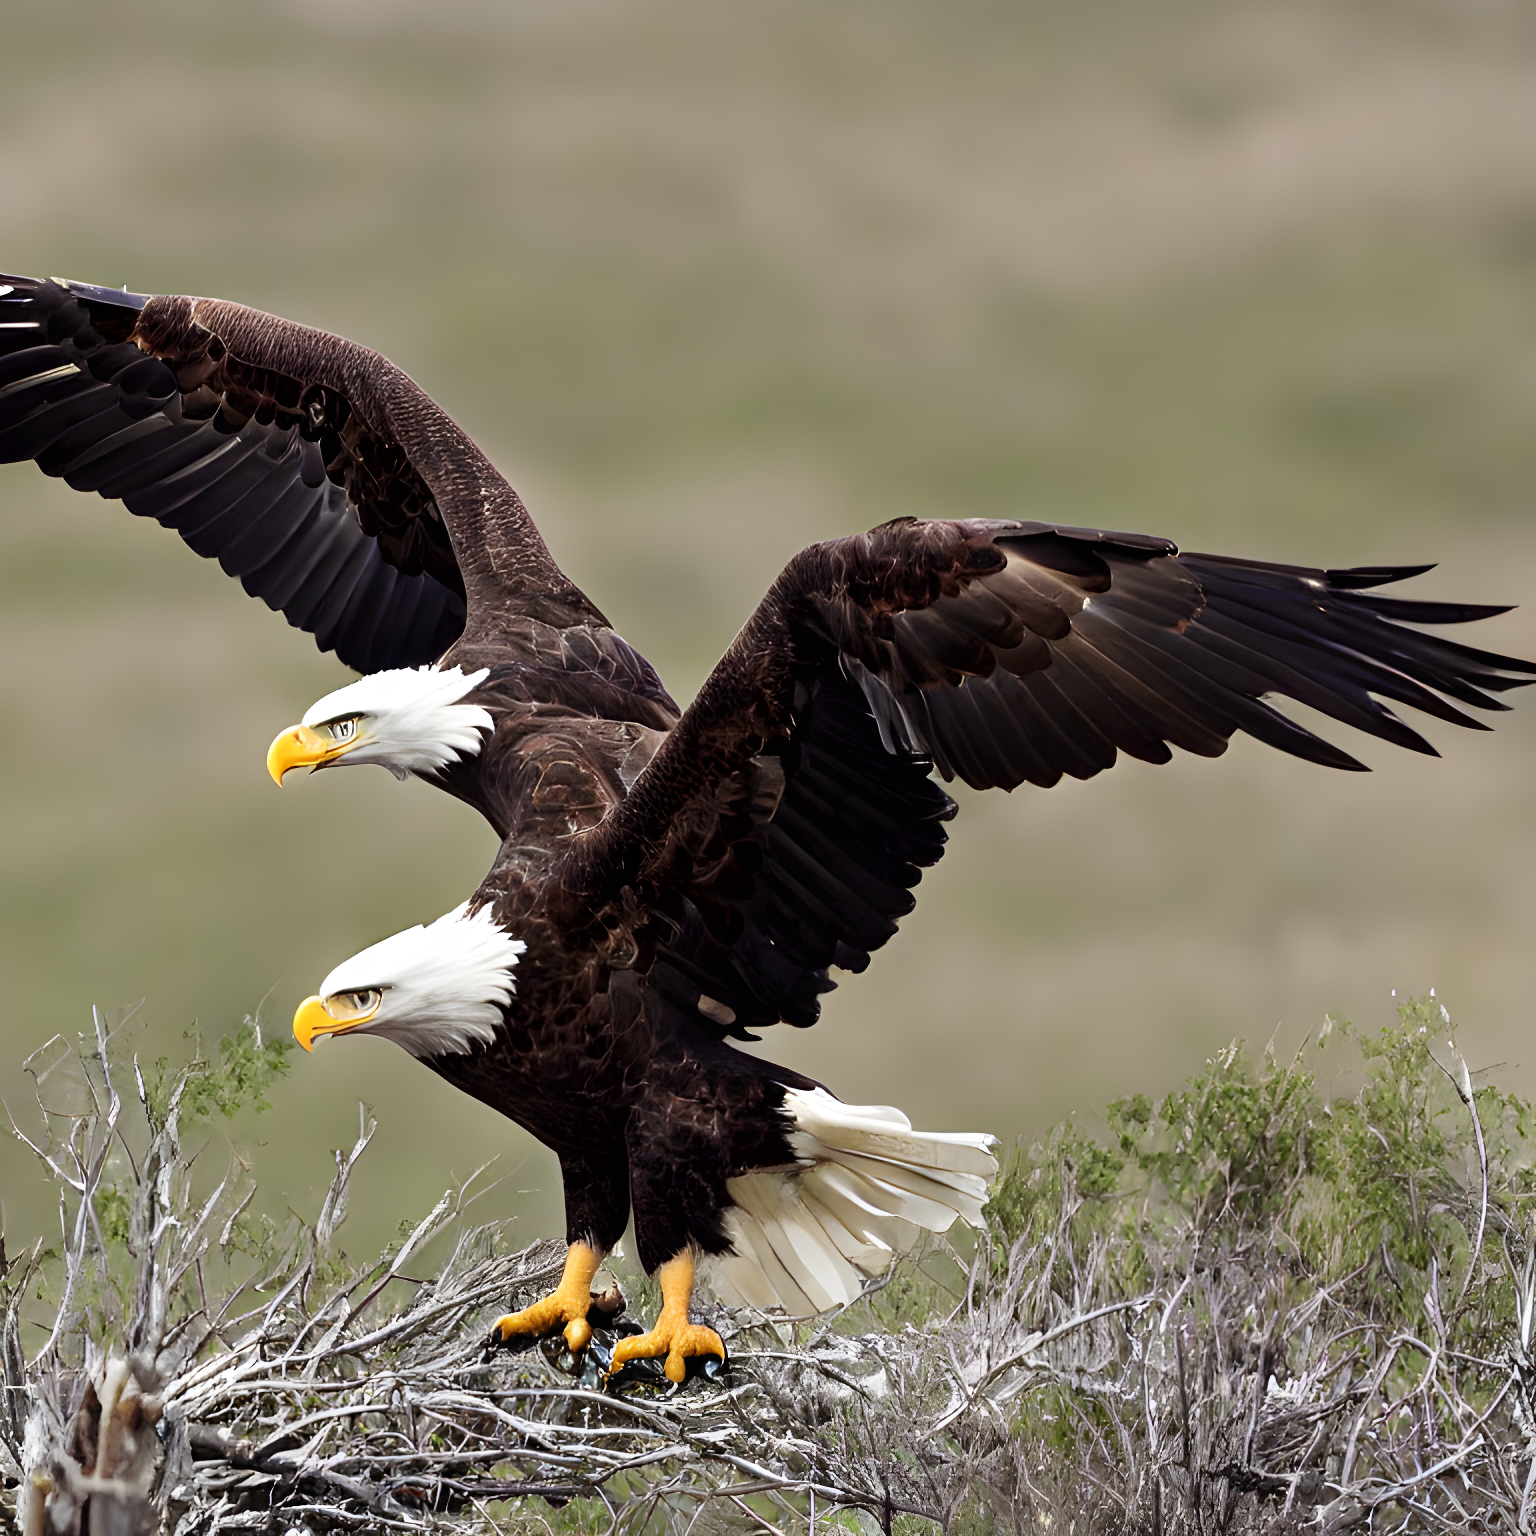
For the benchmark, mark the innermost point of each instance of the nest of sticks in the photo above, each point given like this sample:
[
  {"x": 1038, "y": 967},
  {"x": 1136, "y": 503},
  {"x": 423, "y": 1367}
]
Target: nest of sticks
[{"x": 174, "y": 1365}]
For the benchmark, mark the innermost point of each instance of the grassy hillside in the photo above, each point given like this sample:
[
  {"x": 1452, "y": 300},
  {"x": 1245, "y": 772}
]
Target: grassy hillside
[{"x": 710, "y": 283}]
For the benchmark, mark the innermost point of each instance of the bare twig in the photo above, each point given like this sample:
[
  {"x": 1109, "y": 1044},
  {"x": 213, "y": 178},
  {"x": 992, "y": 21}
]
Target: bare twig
[{"x": 280, "y": 1388}]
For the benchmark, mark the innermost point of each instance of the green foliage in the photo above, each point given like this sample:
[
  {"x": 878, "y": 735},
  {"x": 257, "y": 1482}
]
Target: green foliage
[
  {"x": 247, "y": 1066},
  {"x": 112, "y": 1208},
  {"x": 1367, "y": 1187},
  {"x": 1390, "y": 1152},
  {"x": 1064, "y": 1167},
  {"x": 1230, "y": 1139}
]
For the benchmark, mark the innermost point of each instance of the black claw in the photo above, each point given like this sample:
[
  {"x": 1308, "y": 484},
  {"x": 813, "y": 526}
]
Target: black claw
[
  {"x": 607, "y": 1307},
  {"x": 651, "y": 1373},
  {"x": 498, "y": 1344},
  {"x": 568, "y": 1361},
  {"x": 710, "y": 1367},
  {"x": 636, "y": 1373}
]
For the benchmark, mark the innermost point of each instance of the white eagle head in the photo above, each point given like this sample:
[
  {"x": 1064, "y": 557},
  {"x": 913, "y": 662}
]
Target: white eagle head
[
  {"x": 436, "y": 990},
  {"x": 409, "y": 721}
]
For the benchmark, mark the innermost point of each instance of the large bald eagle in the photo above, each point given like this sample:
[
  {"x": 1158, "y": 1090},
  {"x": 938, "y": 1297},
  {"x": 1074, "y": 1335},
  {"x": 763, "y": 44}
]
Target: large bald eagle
[{"x": 670, "y": 880}]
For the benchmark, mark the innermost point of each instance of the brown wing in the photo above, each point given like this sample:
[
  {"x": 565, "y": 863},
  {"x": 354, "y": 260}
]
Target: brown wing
[
  {"x": 309, "y": 467},
  {"x": 803, "y": 860},
  {"x": 779, "y": 829},
  {"x": 1086, "y": 644}
]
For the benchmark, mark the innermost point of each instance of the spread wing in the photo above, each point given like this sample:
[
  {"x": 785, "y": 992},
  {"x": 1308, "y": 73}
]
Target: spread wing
[
  {"x": 779, "y": 830},
  {"x": 1086, "y": 644},
  {"x": 309, "y": 467}
]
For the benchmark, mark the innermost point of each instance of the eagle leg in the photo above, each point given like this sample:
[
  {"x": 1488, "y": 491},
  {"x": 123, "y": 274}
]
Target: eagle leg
[
  {"x": 674, "y": 1335},
  {"x": 567, "y": 1304}
]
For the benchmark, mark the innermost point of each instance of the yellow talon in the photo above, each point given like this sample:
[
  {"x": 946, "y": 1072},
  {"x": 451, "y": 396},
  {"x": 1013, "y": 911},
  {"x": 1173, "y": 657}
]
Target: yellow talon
[
  {"x": 673, "y": 1336},
  {"x": 568, "y": 1303}
]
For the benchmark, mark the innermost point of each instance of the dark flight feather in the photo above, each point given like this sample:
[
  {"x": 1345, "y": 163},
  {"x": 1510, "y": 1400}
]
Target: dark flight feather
[
  {"x": 232, "y": 427},
  {"x": 882, "y": 647}
]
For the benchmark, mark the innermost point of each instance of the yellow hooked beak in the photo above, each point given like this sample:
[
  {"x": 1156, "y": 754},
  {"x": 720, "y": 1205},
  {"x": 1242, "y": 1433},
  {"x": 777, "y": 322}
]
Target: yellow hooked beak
[
  {"x": 333, "y": 1016},
  {"x": 302, "y": 746}
]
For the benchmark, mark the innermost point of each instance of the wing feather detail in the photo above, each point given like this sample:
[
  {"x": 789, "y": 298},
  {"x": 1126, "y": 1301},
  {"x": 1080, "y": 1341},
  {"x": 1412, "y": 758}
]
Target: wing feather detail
[
  {"x": 309, "y": 467},
  {"x": 778, "y": 832},
  {"x": 1168, "y": 651}
]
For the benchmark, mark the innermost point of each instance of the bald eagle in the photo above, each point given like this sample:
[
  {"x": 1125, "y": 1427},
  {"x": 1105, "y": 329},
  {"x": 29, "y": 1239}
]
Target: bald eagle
[{"x": 671, "y": 880}]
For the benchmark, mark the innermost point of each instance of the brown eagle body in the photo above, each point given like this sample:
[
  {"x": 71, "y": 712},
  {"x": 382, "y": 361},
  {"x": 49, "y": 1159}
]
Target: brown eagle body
[{"x": 679, "y": 878}]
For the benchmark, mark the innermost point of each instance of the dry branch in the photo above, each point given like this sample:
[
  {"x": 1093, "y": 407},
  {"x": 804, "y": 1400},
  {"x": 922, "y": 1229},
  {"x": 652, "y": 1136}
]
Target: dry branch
[{"x": 186, "y": 1378}]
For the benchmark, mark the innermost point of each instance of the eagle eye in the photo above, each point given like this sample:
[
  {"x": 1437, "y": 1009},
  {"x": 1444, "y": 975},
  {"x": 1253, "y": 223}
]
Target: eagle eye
[
  {"x": 341, "y": 730},
  {"x": 346, "y": 1007}
]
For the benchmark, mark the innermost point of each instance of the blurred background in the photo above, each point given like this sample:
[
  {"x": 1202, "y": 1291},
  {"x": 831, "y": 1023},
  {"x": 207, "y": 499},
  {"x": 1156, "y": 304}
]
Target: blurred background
[{"x": 711, "y": 282}]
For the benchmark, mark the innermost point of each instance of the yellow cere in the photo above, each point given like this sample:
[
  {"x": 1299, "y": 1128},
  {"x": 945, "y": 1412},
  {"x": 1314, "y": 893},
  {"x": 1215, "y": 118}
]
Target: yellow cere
[
  {"x": 306, "y": 746},
  {"x": 333, "y": 1015}
]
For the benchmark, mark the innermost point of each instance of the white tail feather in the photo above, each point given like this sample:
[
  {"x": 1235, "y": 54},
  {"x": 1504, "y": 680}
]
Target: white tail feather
[
  {"x": 880, "y": 1131},
  {"x": 811, "y": 1237}
]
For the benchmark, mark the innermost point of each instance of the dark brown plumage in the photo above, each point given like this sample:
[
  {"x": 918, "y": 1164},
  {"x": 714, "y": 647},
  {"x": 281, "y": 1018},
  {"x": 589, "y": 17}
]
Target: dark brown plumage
[{"x": 681, "y": 878}]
